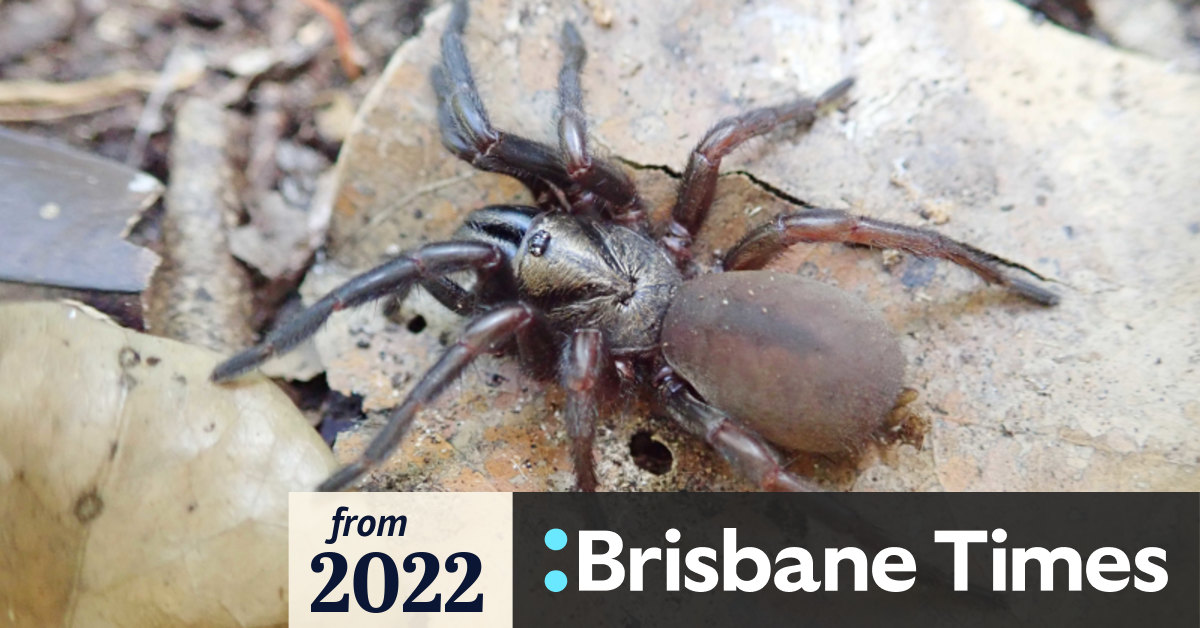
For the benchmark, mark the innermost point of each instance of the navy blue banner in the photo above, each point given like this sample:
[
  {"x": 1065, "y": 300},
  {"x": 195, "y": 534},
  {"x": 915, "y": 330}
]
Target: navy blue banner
[{"x": 857, "y": 559}]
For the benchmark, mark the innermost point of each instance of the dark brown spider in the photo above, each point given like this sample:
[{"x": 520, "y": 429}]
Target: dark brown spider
[{"x": 583, "y": 290}]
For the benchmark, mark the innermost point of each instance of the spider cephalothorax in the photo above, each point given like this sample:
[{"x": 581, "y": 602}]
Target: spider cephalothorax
[{"x": 584, "y": 291}]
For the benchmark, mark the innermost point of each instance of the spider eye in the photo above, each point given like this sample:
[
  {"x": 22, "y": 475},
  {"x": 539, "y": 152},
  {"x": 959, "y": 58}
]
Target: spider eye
[{"x": 538, "y": 243}]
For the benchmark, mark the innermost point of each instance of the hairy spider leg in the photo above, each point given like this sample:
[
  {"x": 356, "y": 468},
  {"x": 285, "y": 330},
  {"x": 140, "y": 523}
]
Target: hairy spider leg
[
  {"x": 446, "y": 291},
  {"x": 586, "y": 363},
  {"x": 483, "y": 334},
  {"x": 762, "y": 244},
  {"x": 469, "y": 135},
  {"x": 699, "y": 183},
  {"x": 393, "y": 277},
  {"x": 502, "y": 226},
  {"x": 599, "y": 184},
  {"x": 747, "y": 452}
]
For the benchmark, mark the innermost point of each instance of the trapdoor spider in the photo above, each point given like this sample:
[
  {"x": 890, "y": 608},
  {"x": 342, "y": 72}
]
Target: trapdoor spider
[{"x": 584, "y": 291}]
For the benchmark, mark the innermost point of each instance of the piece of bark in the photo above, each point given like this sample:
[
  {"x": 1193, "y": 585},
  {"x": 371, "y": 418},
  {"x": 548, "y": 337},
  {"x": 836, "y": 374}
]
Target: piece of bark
[
  {"x": 1047, "y": 148},
  {"x": 201, "y": 294},
  {"x": 66, "y": 214}
]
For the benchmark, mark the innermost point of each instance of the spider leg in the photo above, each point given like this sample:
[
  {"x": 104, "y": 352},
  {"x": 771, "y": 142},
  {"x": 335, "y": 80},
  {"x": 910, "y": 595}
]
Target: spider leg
[
  {"x": 752, "y": 456},
  {"x": 596, "y": 178},
  {"x": 446, "y": 291},
  {"x": 503, "y": 226},
  {"x": 762, "y": 244},
  {"x": 467, "y": 132},
  {"x": 395, "y": 276},
  {"x": 585, "y": 365},
  {"x": 700, "y": 178},
  {"x": 538, "y": 349},
  {"x": 454, "y": 297},
  {"x": 482, "y": 335}
]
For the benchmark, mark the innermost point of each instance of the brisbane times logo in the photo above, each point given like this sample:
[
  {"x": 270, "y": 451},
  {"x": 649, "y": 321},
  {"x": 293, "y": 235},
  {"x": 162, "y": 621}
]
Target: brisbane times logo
[{"x": 606, "y": 564}]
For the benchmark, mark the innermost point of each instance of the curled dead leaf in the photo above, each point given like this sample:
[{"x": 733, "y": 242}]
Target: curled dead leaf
[{"x": 133, "y": 491}]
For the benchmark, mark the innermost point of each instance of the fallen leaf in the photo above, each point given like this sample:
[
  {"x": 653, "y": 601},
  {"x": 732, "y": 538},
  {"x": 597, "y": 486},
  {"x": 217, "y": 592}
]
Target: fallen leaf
[
  {"x": 132, "y": 491},
  {"x": 283, "y": 233}
]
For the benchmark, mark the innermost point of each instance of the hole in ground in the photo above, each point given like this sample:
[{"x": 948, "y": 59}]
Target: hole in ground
[{"x": 650, "y": 454}]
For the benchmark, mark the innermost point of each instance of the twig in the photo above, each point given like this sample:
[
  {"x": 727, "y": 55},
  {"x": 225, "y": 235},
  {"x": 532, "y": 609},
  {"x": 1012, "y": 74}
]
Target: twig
[
  {"x": 150, "y": 120},
  {"x": 200, "y": 294},
  {"x": 58, "y": 112},
  {"x": 268, "y": 126},
  {"x": 48, "y": 93},
  {"x": 32, "y": 101},
  {"x": 341, "y": 34}
]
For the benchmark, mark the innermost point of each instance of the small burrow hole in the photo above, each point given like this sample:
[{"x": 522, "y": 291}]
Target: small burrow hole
[
  {"x": 416, "y": 324},
  {"x": 650, "y": 454}
]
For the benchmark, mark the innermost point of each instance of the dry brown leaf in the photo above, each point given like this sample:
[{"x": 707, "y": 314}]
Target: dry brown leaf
[
  {"x": 285, "y": 230},
  {"x": 132, "y": 491},
  {"x": 1040, "y": 145}
]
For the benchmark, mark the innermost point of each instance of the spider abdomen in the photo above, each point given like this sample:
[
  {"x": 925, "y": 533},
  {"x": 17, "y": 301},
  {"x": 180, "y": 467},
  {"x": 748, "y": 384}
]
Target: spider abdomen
[{"x": 807, "y": 366}]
